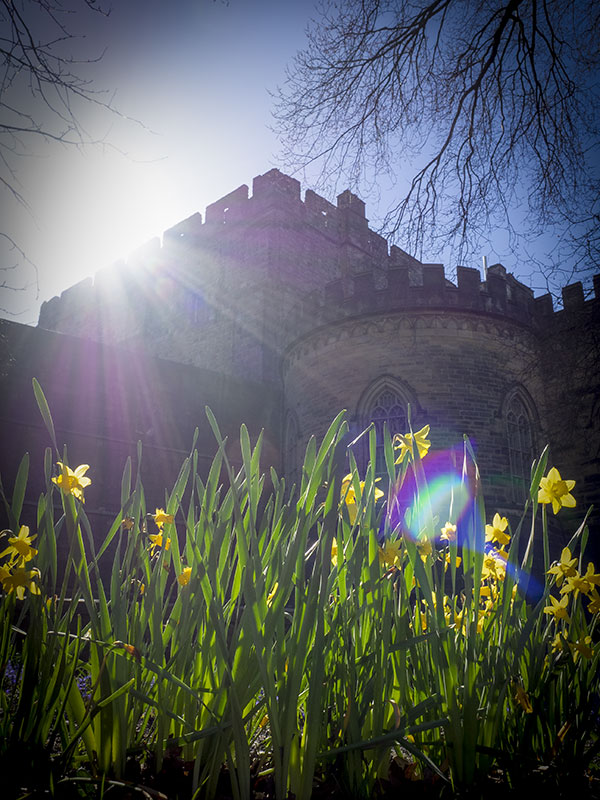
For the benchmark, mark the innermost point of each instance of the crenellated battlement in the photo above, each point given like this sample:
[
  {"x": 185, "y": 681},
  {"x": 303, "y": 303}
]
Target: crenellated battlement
[
  {"x": 296, "y": 293},
  {"x": 321, "y": 257}
]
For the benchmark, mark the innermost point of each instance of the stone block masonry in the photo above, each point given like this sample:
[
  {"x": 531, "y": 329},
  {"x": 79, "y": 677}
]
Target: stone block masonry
[{"x": 301, "y": 296}]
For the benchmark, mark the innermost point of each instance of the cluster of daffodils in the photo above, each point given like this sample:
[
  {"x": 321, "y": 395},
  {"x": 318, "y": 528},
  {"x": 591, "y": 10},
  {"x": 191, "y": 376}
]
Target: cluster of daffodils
[
  {"x": 160, "y": 541},
  {"x": 553, "y": 490},
  {"x": 17, "y": 573},
  {"x": 571, "y": 583},
  {"x": 495, "y": 559},
  {"x": 14, "y": 572},
  {"x": 493, "y": 574},
  {"x": 349, "y": 496},
  {"x": 161, "y": 518}
]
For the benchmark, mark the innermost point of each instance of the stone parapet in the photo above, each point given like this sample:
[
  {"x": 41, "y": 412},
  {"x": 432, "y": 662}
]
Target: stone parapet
[{"x": 324, "y": 260}]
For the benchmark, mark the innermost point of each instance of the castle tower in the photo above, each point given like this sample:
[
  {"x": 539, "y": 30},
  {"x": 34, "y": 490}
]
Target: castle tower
[{"x": 303, "y": 296}]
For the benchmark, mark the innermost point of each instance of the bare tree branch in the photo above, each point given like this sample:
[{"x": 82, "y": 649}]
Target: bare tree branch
[
  {"x": 493, "y": 103},
  {"x": 43, "y": 90}
]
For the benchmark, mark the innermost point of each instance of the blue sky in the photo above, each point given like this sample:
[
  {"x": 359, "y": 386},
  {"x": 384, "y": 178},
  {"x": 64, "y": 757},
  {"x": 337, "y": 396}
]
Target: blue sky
[{"x": 196, "y": 76}]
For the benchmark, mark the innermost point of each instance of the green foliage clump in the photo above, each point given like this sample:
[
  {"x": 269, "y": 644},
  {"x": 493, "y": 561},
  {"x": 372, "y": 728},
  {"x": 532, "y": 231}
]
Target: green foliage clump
[{"x": 258, "y": 629}]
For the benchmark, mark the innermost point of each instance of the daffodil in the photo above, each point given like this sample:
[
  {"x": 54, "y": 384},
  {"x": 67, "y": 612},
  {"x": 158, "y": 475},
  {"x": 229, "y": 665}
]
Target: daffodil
[
  {"x": 389, "y": 554},
  {"x": 18, "y": 580},
  {"x": 558, "y": 643},
  {"x": 448, "y": 560},
  {"x": 424, "y": 547},
  {"x": 494, "y": 564},
  {"x": 405, "y": 444},
  {"x": 272, "y": 593},
  {"x": 592, "y": 577},
  {"x": 522, "y": 699},
  {"x": 334, "y": 553},
  {"x": 496, "y": 531},
  {"x": 565, "y": 568},
  {"x": 459, "y": 619},
  {"x": 72, "y": 481},
  {"x": 489, "y": 595},
  {"x": 19, "y": 547},
  {"x": 558, "y": 608},
  {"x": 448, "y": 533},
  {"x": 576, "y": 583},
  {"x": 184, "y": 578},
  {"x": 594, "y": 604},
  {"x": 583, "y": 648},
  {"x": 427, "y": 608},
  {"x": 156, "y": 541},
  {"x": 555, "y": 490},
  {"x": 128, "y": 523},
  {"x": 161, "y": 518},
  {"x": 348, "y": 494}
]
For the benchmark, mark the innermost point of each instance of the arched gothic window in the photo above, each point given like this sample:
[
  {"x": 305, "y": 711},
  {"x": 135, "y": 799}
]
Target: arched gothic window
[
  {"x": 386, "y": 406},
  {"x": 519, "y": 428}
]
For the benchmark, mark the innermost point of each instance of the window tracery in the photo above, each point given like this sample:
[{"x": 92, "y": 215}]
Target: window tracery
[{"x": 519, "y": 429}]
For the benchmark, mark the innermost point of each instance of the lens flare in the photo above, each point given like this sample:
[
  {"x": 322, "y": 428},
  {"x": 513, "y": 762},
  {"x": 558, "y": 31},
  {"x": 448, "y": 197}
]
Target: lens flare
[{"x": 446, "y": 496}]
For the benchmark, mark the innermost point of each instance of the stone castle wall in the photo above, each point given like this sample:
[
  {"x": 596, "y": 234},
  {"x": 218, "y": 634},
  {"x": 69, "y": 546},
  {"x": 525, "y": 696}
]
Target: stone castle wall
[
  {"x": 455, "y": 369},
  {"x": 301, "y": 295}
]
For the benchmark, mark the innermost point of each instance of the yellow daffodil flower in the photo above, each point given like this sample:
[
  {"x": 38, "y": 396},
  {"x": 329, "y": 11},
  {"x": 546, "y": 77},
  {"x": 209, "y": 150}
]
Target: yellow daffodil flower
[
  {"x": 348, "y": 494},
  {"x": 592, "y": 578},
  {"x": 565, "y": 568},
  {"x": 558, "y": 608},
  {"x": 460, "y": 619},
  {"x": 496, "y": 531},
  {"x": 161, "y": 518},
  {"x": 557, "y": 644},
  {"x": 405, "y": 444},
  {"x": 424, "y": 547},
  {"x": 448, "y": 560},
  {"x": 185, "y": 576},
  {"x": 272, "y": 593},
  {"x": 389, "y": 554},
  {"x": 576, "y": 583},
  {"x": 522, "y": 699},
  {"x": 583, "y": 648},
  {"x": 427, "y": 608},
  {"x": 555, "y": 490},
  {"x": 481, "y": 615},
  {"x": 156, "y": 541},
  {"x": 72, "y": 481},
  {"x": 334, "y": 553},
  {"x": 448, "y": 532},
  {"x": 489, "y": 595},
  {"x": 594, "y": 604},
  {"x": 18, "y": 580},
  {"x": 19, "y": 547},
  {"x": 494, "y": 565}
]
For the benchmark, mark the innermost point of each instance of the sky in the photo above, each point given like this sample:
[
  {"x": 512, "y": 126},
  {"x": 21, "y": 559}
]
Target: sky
[
  {"x": 192, "y": 81},
  {"x": 196, "y": 75}
]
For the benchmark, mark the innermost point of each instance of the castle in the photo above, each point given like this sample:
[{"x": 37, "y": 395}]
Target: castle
[{"x": 298, "y": 302}]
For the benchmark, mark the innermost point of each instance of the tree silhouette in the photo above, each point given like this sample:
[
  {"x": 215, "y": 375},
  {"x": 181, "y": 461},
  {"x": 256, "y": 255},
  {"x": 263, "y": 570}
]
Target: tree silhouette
[
  {"x": 493, "y": 102},
  {"x": 43, "y": 88}
]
